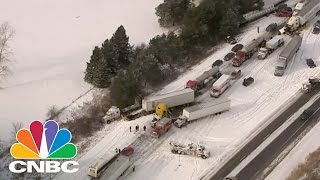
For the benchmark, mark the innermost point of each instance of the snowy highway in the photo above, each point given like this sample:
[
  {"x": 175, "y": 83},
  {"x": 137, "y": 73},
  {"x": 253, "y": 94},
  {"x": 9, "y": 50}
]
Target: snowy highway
[{"x": 251, "y": 108}]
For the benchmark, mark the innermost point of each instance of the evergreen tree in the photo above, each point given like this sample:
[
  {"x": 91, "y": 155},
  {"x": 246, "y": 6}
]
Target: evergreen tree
[
  {"x": 108, "y": 52},
  {"x": 230, "y": 22},
  {"x": 97, "y": 72},
  {"x": 92, "y": 66},
  {"x": 171, "y": 12},
  {"x": 125, "y": 88},
  {"x": 121, "y": 47}
]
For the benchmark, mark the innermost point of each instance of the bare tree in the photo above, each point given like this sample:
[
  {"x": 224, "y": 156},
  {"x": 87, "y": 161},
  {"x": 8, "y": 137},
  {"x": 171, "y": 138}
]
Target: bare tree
[
  {"x": 6, "y": 35},
  {"x": 53, "y": 112},
  {"x": 16, "y": 126}
]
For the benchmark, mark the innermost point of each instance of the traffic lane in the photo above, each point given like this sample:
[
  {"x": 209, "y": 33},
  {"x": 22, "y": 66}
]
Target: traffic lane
[
  {"x": 256, "y": 141},
  {"x": 256, "y": 167}
]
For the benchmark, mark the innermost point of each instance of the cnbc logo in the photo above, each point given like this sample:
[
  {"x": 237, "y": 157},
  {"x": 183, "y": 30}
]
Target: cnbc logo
[{"x": 43, "y": 142}]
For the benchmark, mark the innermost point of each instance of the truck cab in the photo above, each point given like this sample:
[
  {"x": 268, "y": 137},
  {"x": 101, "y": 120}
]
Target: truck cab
[
  {"x": 263, "y": 53},
  {"x": 161, "y": 127},
  {"x": 112, "y": 114},
  {"x": 280, "y": 67},
  {"x": 239, "y": 58},
  {"x": 181, "y": 121}
]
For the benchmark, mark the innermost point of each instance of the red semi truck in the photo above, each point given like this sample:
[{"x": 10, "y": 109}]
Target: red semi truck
[
  {"x": 249, "y": 49},
  {"x": 202, "y": 80},
  {"x": 161, "y": 127}
]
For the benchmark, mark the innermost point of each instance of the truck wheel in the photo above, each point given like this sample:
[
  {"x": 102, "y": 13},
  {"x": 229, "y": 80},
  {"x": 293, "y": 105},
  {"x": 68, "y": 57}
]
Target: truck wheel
[
  {"x": 108, "y": 122},
  {"x": 204, "y": 157},
  {"x": 174, "y": 151}
]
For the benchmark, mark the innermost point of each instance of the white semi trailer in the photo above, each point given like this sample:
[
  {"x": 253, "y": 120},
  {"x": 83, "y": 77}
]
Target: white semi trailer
[
  {"x": 220, "y": 85},
  {"x": 202, "y": 110},
  {"x": 287, "y": 54},
  {"x": 112, "y": 166},
  {"x": 306, "y": 14},
  {"x": 172, "y": 99},
  {"x": 271, "y": 46}
]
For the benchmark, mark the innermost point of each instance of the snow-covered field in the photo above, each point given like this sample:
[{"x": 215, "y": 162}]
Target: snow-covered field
[
  {"x": 53, "y": 42},
  {"x": 299, "y": 153}
]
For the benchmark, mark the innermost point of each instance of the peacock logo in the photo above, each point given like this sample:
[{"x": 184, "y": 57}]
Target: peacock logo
[{"x": 43, "y": 141}]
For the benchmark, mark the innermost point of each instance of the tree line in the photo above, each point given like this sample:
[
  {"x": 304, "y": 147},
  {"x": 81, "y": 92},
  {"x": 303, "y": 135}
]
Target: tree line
[{"x": 130, "y": 70}]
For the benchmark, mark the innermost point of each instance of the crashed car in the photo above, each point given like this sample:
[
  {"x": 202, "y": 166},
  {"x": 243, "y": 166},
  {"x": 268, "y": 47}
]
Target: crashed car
[
  {"x": 306, "y": 114},
  {"x": 217, "y": 63},
  {"x": 247, "y": 81},
  {"x": 229, "y": 56},
  {"x": 310, "y": 63},
  {"x": 237, "y": 47}
]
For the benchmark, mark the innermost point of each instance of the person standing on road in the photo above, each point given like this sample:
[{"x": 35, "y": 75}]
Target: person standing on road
[
  {"x": 130, "y": 128},
  {"x": 144, "y": 128}
]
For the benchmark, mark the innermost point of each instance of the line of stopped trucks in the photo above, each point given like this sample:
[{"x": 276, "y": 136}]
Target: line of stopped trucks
[
  {"x": 179, "y": 108},
  {"x": 182, "y": 102}
]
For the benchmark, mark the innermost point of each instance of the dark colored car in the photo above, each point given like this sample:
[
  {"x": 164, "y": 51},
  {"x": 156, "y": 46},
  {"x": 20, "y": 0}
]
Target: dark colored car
[
  {"x": 306, "y": 114},
  {"x": 229, "y": 56},
  {"x": 237, "y": 47},
  {"x": 236, "y": 74},
  {"x": 217, "y": 63},
  {"x": 272, "y": 27},
  {"x": 310, "y": 63},
  {"x": 231, "y": 40},
  {"x": 247, "y": 81}
]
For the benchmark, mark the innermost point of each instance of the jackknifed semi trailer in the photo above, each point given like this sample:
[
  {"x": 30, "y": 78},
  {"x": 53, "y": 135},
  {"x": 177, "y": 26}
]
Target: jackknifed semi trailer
[
  {"x": 192, "y": 113},
  {"x": 309, "y": 11},
  {"x": 287, "y": 54},
  {"x": 172, "y": 99}
]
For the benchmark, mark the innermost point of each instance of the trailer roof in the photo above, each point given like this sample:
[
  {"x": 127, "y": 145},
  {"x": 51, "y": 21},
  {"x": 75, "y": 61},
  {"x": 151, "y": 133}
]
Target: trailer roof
[
  {"x": 207, "y": 74},
  {"x": 221, "y": 80},
  {"x": 115, "y": 165},
  {"x": 206, "y": 105},
  {"x": 310, "y": 5},
  {"x": 163, "y": 121},
  {"x": 275, "y": 39},
  {"x": 291, "y": 46},
  {"x": 101, "y": 161},
  {"x": 171, "y": 94}
]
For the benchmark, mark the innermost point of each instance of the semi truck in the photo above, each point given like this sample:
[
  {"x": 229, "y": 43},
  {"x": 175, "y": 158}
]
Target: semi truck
[
  {"x": 115, "y": 113},
  {"x": 306, "y": 14},
  {"x": 112, "y": 166},
  {"x": 271, "y": 45},
  {"x": 195, "y": 112},
  {"x": 162, "y": 126},
  {"x": 287, "y": 54},
  {"x": 190, "y": 149},
  {"x": 172, "y": 99},
  {"x": 202, "y": 80},
  {"x": 249, "y": 49},
  {"x": 220, "y": 85}
]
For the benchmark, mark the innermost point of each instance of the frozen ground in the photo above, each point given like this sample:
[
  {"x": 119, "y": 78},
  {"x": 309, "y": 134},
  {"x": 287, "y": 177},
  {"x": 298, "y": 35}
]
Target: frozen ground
[
  {"x": 307, "y": 145},
  {"x": 54, "y": 40}
]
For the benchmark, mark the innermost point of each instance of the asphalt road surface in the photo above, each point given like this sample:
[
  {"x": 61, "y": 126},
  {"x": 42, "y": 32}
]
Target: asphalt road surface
[
  {"x": 255, "y": 169},
  {"x": 259, "y": 138}
]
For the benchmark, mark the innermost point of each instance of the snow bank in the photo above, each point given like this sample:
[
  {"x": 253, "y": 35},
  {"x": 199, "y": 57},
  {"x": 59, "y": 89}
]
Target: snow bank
[{"x": 54, "y": 40}]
